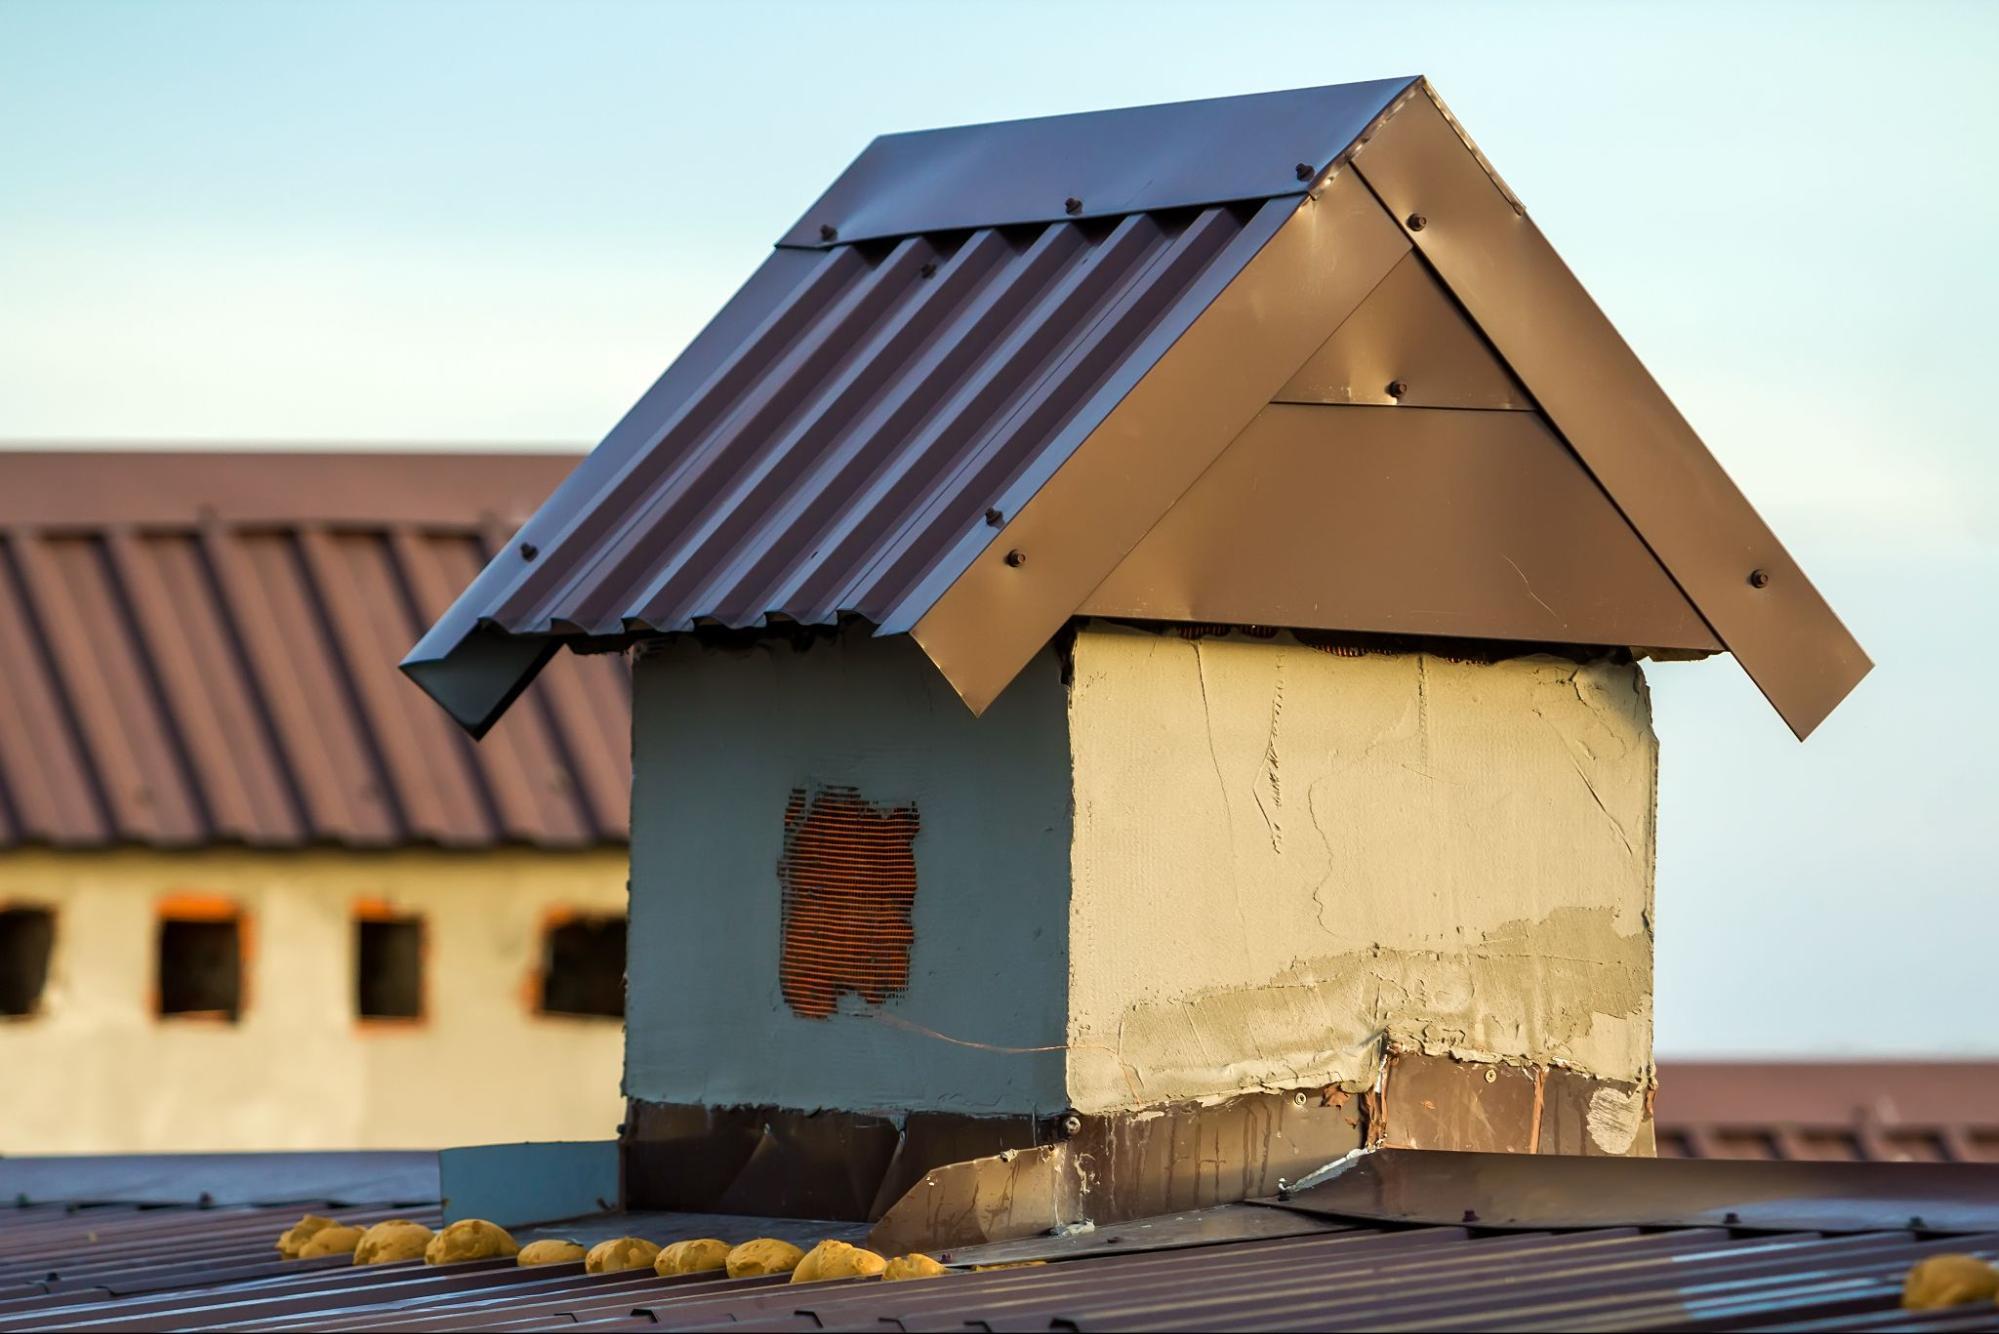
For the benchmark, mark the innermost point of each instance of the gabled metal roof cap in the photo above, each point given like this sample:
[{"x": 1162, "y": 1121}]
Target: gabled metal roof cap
[{"x": 1093, "y": 164}]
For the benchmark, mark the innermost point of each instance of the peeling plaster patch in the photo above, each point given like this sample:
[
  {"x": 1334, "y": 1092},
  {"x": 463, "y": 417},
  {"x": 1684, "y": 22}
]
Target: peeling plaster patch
[
  {"x": 1614, "y": 1118},
  {"x": 1476, "y": 879},
  {"x": 1527, "y": 992}
]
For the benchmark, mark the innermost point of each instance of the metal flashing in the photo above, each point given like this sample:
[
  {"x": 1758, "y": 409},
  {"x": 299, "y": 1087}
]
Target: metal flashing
[
  {"x": 1470, "y": 524},
  {"x": 1611, "y": 412},
  {"x": 1093, "y": 164}
]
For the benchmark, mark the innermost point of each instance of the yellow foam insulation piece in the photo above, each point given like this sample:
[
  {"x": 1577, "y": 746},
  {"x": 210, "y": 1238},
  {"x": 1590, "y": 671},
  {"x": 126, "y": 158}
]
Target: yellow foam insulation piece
[
  {"x": 1949, "y": 1280},
  {"x": 619, "y": 1254},
  {"x": 549, "y": 1251},
  {"x": 390, "y": 1241},
  {"x": 765, "y": 1255},
  {"x": 294, "y": 1238},
  {"x": 692, "y": 1257},
  {"x": 1010, "y": 1264},
  {"x": 335, "y": 1240},
  {"x": 837, "y": 1259},
  {"x": 906, "y": 1267},
  {"x": 470, "y": 1239}
]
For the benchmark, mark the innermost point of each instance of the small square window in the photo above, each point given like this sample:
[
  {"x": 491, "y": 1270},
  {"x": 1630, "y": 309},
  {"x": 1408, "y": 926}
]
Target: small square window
[
  {"x": 389, "y": 968},
  {"x": 27, "y": 936},
  {"x": 583, "y": 967},
  {"x": 201, "y": 964}
]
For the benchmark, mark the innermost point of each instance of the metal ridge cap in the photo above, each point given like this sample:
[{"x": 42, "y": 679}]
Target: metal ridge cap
[{"x": 1094, "y": 164}]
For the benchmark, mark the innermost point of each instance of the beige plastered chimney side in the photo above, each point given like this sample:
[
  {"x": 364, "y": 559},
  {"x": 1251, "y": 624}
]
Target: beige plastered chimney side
[{"x": 1284, "y": 860}]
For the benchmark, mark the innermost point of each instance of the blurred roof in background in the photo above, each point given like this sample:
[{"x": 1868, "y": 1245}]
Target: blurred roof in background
[{"x": 199, "y": 648}]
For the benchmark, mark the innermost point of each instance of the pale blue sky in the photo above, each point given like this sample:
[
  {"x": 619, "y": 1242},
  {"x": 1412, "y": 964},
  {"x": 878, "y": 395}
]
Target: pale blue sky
[{"x": 454, "y": 222}]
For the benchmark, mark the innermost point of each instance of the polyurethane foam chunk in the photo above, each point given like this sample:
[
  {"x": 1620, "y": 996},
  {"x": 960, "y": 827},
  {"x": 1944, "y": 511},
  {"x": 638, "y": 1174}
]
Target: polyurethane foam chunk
[
  {"x": 906, "y": 1267},
  {"x": 335, "y": 1240},
  {"x": 765, "y": 1255},
  {"x": 294, "y": 1238},
  {"x": 699, "y": 1256},
  {"x": 549, "y": 1251},
  {"x": 619, "y": 1254},
  {"x": 837, "y": 1259},
  {"x": 1949, "y": 1280},
  {"x": 390, "y": 1241},
  {"x": 470, "y": 1239}
]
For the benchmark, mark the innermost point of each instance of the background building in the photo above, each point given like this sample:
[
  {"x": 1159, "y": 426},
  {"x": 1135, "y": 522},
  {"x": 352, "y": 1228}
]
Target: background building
[{"x": 255, "y": 891}]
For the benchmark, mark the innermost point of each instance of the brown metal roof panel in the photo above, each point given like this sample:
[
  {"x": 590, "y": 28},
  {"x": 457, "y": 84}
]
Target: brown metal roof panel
[
  {"x": 993, "y": 352},
  {"x": 842, "y": 457},
  {"x": 178, "y": 678},
  {"x": 47, "y": 791},
  {"x": 1472, "y": 523},
  {"x": 1093, "y": 164},
  {"x": 78, "y": 608},
  {"x": 61, "y": 488}
]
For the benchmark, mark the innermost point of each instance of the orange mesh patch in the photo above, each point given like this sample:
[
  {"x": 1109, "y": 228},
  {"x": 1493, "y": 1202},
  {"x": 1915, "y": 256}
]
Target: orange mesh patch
[{"x": 849, "y": 880}]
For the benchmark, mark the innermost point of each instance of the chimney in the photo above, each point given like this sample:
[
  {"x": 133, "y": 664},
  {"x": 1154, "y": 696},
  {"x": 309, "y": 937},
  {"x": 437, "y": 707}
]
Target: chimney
[
  {"x": 1213, "y": 907},
  {"x": 1137, "y": 694}
]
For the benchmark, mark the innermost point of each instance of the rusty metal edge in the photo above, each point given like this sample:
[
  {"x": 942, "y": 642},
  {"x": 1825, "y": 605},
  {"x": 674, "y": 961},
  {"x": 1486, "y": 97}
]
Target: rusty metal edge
[
  {"x": 1475, "y": 234},
  {"x": 1535, "y": 1191}
]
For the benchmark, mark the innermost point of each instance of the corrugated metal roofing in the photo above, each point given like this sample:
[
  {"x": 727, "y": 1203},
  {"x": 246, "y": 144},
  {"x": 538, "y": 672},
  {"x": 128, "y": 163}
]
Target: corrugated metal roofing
[
  {"x": 884, "y": 399},
  {"x": 1857, "y": 1111},
  {"x": 848, "y": 432},
  {"x": 1019, "y": 345},
  {"x": 200, "y": 648},
  {"x": 121, "y": 1268}
]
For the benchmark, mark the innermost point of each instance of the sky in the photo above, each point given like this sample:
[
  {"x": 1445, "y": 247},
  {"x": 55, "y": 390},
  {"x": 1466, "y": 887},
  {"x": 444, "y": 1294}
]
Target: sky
[{"x": 431, "y": 222}]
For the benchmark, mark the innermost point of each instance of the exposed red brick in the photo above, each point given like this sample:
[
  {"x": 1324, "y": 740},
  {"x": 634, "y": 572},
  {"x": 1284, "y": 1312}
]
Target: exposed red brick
[{"x": 849, "y": 881}]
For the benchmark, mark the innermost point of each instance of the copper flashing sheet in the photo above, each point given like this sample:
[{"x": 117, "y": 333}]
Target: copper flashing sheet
[
  {"x": 1519, "y": 1190},
  {"x": 1474, "y": 233},
  {"x": 200, "y": 648},
  {"x": 1407, "y": 345},
  {"x": 1468, "y": 524}
]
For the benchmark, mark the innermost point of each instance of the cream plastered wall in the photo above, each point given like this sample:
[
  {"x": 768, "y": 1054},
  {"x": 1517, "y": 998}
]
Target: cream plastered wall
[
  {"x": 1283, "y": 858},
  {"x": 98, "y": 1071}
]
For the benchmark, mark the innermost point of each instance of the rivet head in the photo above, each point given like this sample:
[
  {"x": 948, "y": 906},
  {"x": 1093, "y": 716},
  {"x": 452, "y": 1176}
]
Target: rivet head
[
  {"x": 529, "y": 551},
  {"x": 828, "y": 232},
  {"x": 1759, "y": 578},
  {"x": 994, "y": 518},
  {"x": 1016, "y": 558},
  {"x": 1072, "y": 205},
  {"x": 1298, "y": 1099},
  {"x": 1304, "y": 170},
  {"x": 1417, "y": 222},
  {"x": 929, "y": 269},
  {"x": 1492, "y": 1076},
  {"x": 1397, "y": 388},
  {"x": 1072, "y": 1124}
]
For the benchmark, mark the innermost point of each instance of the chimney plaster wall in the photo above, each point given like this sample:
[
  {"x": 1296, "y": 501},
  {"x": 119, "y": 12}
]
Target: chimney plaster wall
[
  {"x": 721, "y": 738},
  {"x": 1284, "y": 857}
]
